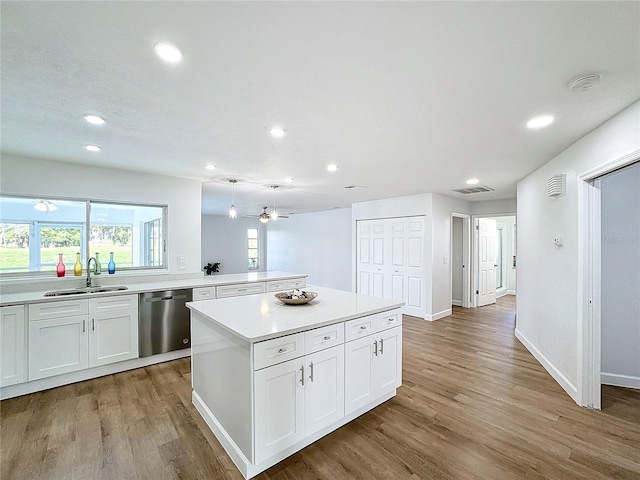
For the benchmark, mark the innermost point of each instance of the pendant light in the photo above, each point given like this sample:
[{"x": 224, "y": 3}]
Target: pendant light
[
  {"x": 274, "y": 213},
  {"x": 233, "y": 213}
]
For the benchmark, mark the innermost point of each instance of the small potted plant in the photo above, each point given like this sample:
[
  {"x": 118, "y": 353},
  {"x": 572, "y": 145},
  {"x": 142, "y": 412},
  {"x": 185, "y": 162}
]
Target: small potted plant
[{"x": 212, "y": 268}]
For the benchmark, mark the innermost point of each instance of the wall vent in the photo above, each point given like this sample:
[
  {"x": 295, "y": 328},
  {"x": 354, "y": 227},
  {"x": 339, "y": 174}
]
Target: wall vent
[
  {"x": 479, "y": 189},
  {"x": 555, "y": 185}
]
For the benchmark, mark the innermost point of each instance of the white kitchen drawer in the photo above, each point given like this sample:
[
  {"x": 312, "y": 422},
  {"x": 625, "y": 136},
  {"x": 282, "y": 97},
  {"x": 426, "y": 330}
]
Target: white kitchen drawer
[
  {"x": 277, "y": 350},
  {"x": 113, "y": 303},
  {"x": 388, "y": 320},
  {"x": 204, "y": 293},
  {"x": 282, "y": 285},
  {"x": 225, "y": 291},
  {"x": 323, "y": 337},
  {"x": 359, "y": 327},
  {"x": 63, "y": 308}
]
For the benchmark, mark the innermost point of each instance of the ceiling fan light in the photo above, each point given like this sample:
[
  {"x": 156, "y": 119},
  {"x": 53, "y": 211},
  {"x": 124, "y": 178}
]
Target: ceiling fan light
[
  {"x": 45, "y": 206},
  {"x": 264, "y": 217}
]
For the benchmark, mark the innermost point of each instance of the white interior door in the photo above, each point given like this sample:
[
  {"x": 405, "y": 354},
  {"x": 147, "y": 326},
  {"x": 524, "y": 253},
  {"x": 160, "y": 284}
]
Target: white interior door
[
  {"x": 365, "y": 261},
  {"x": 486, "y": 261}
]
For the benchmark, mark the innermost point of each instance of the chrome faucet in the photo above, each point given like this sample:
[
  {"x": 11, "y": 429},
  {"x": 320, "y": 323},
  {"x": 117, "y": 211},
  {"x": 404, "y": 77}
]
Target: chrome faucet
[{"x": 95, "y": 263}]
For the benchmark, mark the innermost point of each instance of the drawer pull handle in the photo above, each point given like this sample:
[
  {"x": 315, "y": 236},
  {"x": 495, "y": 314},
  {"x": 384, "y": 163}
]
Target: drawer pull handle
[
  {"x": 363, "y": 327},
  {"x": 391, "y": 319},
  {"x": 282, "y": 350},
  {"x": 327, "y": 337}
]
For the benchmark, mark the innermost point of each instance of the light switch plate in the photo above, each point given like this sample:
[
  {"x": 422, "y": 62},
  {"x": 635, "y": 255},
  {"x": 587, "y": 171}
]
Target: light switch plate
[{"x": 182, "y": 262}]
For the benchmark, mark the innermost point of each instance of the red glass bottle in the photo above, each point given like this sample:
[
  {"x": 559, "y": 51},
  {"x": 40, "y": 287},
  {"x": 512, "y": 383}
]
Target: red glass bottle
[{"x": 60, "y": 269}]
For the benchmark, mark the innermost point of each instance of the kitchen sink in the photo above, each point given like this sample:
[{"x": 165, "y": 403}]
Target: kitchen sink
[{"x": 79, "y": 291}]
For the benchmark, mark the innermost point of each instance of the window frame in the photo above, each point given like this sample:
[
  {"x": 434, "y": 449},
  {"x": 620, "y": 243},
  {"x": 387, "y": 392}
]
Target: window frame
[
  {"x": 257, "y": 249},
  {"x": 85, "y": 247}
]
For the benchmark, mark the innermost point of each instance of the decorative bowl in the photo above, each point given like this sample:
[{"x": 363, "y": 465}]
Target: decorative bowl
[{"x": 302, "y": 298}]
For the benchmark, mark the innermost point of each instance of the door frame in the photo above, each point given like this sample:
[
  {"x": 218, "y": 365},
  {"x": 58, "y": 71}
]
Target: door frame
[
  {"x": 590, "y": 305},
  {"x": 466, "y": 258},
  {"x": 474, "y": 263}
]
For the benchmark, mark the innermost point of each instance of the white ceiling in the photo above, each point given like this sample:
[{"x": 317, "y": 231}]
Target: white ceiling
[{"x": 406, "y": 98}]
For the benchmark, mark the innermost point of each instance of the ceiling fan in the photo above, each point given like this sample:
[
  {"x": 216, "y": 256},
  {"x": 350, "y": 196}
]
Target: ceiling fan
[{"x": 265, "y": 216}]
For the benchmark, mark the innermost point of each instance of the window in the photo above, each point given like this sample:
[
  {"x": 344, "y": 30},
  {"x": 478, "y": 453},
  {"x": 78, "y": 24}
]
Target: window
[
  {"x": 34, "y": 231},
  {"x": 252, "y": 248}
]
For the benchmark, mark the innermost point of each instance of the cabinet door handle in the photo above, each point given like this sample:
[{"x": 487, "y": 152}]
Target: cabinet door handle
[
  {"x": 375, "y": 348},
  {"x": 302, "y": 375},
  {"x": 84, "y": 322},
  {"x": 381, "y": 346},
  {"x": 311, "y": 371},
  {"x": 93, "y": 324}
]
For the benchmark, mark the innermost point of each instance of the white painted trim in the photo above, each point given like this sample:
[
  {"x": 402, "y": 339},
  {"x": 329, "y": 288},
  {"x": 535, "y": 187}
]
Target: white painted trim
[
  {"x": 589, "y": 289},
  {"x": 438, "y": 316},
  {"x": 627, "y": 381},
  {"x": 511, "y": 292},
  {"x": 501, "y": 292},
  {"x": 81, "y": 375},
  {"x": 456, "y": 303},
  {"x": 564, "y": 382},
  {"x": 466, "y": 259},
  {"x": 610, "y": 166}
]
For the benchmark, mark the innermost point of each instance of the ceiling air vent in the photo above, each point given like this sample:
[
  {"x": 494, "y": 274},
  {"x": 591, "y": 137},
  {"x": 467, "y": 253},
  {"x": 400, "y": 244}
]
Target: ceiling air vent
[{"x": 478, "y": 189}]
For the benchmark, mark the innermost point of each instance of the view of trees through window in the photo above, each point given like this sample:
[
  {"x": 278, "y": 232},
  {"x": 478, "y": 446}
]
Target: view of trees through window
[{"x": 31, "y": 239}]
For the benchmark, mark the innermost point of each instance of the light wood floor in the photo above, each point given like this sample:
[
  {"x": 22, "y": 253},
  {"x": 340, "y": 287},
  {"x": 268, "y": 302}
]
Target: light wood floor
[{"x": 474, "y": 405}]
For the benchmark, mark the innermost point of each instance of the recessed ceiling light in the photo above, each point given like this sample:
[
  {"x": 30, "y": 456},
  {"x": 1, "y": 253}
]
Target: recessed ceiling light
[
  {"x": 95, "y": 119},
  {"x": 540, "y": 121},
  {"x": 332, "y": 167},
  {"x": 92, "y": 148},
  {"x": 210, "y": 166},
  {"x": 277, "y": 132},
  {"x": 168, "y": 52},
  {"x": 472, "y": 181},
  {"x": 288, "y": 180}
]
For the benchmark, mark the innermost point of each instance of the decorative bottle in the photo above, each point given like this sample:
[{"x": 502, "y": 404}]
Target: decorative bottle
[
  {"x": 98, "y": 266},
  {"x": 60, "y": 269},
  {"x": 112, "y": 264},
  {"x": 77, "y": 267}
]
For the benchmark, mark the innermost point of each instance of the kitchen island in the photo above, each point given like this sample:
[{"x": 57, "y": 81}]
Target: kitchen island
[{"x": 270, "y": 379}]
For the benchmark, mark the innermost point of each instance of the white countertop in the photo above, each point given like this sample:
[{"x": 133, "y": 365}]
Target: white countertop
[
  {"x": 260, "y": 317},
  {"x": 150, "y": 286}
]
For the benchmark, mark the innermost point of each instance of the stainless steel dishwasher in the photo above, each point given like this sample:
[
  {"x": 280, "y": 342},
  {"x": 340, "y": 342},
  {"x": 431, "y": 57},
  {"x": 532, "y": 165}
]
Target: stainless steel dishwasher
[{"x": 163, "y": 322}]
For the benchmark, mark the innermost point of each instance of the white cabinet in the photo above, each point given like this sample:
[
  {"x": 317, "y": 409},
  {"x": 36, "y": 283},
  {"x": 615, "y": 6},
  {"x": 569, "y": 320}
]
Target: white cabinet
[
  {"x": 373, "y": 366},
  {"x": 57, "y": 345},
  {"x": 204, "y": 293},
  {"x": 106, "y": 332},
  {"x": 225, "y": 291},
  {"x": 282, "y": 285},
  {"x": 297, "y": 398},
  {"x": 114, "y": 329},
  {"x": 12, "y": 345}
]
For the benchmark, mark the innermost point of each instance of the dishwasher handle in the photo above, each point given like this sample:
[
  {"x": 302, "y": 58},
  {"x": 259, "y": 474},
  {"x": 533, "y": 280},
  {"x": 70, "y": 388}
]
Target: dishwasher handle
[{"x": 165, "y": 298}]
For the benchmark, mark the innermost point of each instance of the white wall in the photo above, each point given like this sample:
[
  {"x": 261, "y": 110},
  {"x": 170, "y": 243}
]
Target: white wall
[
  {"x": 29, "y": 176},
  {"x": 224, "y": 240},
  {"x": 443, "y": 207},
  {"x": 620, "y": 277},
  {"x": 318, "y": 244},
  {"x": 493, "y": 207},
  {"x": 549, "y": 307}
]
